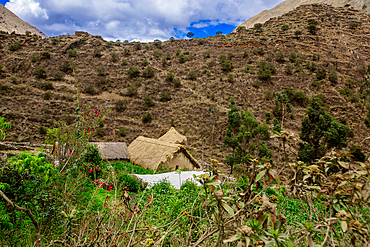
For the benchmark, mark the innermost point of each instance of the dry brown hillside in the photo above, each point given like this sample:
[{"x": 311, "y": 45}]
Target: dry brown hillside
[
  {"x": 288, "y": 5},
  {"x": 196, "y": 107},
  {"x": 9, "y": 22}
]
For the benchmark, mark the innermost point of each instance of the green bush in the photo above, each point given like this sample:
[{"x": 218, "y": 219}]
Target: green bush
[
  {"x": 40, "y": 73},
  {"x": 170, "y": 76},
  {"x": 122, "y": 132},
  {"x": 133, "y": 72},
  {"x": 137, "y": 46},
  {"x": 245, "y": 54},
  {"x": 148, "y": 72},
  {"x": 227, "y": 66},
  {"x": 45, "y": 55},
  {"x": 357, "y": 153},
  {"x": 222, "y": 58},
  {"x": 65, "y": 66},
  {"x": 114, "y": 57},
  {"x": 129, "y": 182},
  {"x": 264, "y": 74},
  {"x": 285, "y": 27},
  {"x": 188, "y": 186},
  {"x": 289, "y": 69},
  {"x": 292, "y": 57},
  {"x": 147, "y": 117},
  {"x": 158, "y": 43},
  {"x": 165, "y": 96},
  {"x": 192, "y": 76},
  {"x": 131, "y": 91},
  {"x": 148, "y": 102},
  {"x": 124, "y": 61},
  {"x": 90, "y": 89},
  {"x": 321, "y": 73},
  {"x": 72, "y": 52},
  {"x": 182, "y": 58},
  {"x": 120, "y": 106},
  {"x": 100, "y": 71},
  {"x": 296, "y": 96},
  {"x": 297, "y": 33},
  {"x": 15, "y": 46},
  {"x": 280, "y": 57},
  {"x": 42, "y": 130},
  {"x": 230, "y": 55},
  {"x": 46, "y": 96},
  {"x": 230, "y": 78},
  {"x": 130, "y": 168},
  {"x": 55, "y": 41},
  {"x": 177, "y": 83},
  {"x": 163, "y": 187},
  {"x": 126, "y": 52},
  {"x": 333, "y": 77},
  {"x": 47, "y": 86}
]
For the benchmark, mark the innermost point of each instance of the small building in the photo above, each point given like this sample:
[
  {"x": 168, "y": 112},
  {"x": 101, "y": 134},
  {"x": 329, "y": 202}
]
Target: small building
[
  {"x": 112, "y": 150},
  {"x": 150, "y": 153},
  {"x": 172, "y": 136}
]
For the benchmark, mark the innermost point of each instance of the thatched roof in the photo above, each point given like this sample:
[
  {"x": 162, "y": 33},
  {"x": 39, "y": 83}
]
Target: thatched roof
[
  {"x": 172, "y": 136},
  {"x": 150, "y": 153},
  {"x": 112, "y": 150}
]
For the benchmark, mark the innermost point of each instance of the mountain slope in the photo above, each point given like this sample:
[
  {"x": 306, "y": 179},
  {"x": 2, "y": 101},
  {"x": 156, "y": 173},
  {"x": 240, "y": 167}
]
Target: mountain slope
[
  {"x": 289, "y": 5},
  {"x": 197, "y": 105},
  {"x": 10, "y": 22}
]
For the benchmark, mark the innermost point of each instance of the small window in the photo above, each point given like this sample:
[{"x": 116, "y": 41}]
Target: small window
[{"x": 177, "y": 167}]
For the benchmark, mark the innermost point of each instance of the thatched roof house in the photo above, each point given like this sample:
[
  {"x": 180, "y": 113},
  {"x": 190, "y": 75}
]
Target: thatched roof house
[
  {"x": 172, "y": 136},
  {"x": 112, "y": 150},
  {"x": 150, "y": 153}
]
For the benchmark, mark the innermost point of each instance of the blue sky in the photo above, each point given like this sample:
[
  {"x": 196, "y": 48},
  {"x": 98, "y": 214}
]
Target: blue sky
[{"x": 143, "y": 20}]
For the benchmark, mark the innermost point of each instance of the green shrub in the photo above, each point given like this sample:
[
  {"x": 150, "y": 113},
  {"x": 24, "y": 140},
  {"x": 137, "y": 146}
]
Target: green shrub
[
  {"x": 131, "y": 91},
  {"x": 147, "y": 117},
  {"x": 285, "y": 27},
  {"x": 90, "y": 89},
  {"x": 148, "y": 102},
  {"x": 46, "y": 86},
  {"x": 280, "y": 57},
  {"x": 100, "y": 71},
  {"x": 182, "y": 58},
  {"x": 72, "y": 52},
  {"x": 55, "y": 41},
  {"x": 356, "y": 151},
  {"x": 297, "y": 33},
  {"x": 177, "y": 83},
  {"x": 163, "y": 187},
  {"x": 148, "y": 72},
  {"x": 296, "y": 96},
  {"x": 207, "y": 54},
  {"x": 34, "y": 58},
  {"x": 165, "y": 96},
  {"x": 124, "y": 61},
  {"x": 126, "y": 52},
  {"x": 192, "y": 76},
  {"x": 120, "y": 106},
  {"x": 240, "y": 29},
  {"x": 137, "y": 46},
  {"x": 261, "y": 51},
  {"x": 289, "y": 69},
  {"x": 42, "y": 130},
  {"x": 188, "y": 186},
  {"x": 264, "y": 74},
  {"x": 230, "y": 78},
  {"x": 15, "y": 46},
  {"x": 230, "y": 55},
  {"x": 227, "y": 66},
  {"x": 122, "y": 132},
  {"x": 144, "y": 63},
  {"x": 158, "y": 43},
  {"x": 222, "y": 58},
  {"x": 133, "y": 72},
  {"x": 312, "y": 28},
  {"x": 256, "y": 84},
  {"x": 45, "y": 55},
  {"x": 333, "y": 77},
  {"x": 1, "y": 69},
  {"x": 114, "y": 57},
  {"x": 321, "y": 73},
  {"x": 170, "y": 76},
  {"x": 40, "y": 73},
  {"x": 65, "y": 66},
  {"x": 245, "y": 54},
  {"x": 97, "y": 53},
  {"x": 46, "y": 96},
  {"x": 129, "y": 182}
]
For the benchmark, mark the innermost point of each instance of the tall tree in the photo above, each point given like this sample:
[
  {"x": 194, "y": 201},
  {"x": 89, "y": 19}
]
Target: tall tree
[
  {"x": 243, "y": 135},
  {"x": 320, "y": 132}
]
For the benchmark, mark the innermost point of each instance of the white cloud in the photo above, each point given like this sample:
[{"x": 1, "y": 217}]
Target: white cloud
[
  {"x": 133, "y": 19},
  {"x": 26, "y": 9}
]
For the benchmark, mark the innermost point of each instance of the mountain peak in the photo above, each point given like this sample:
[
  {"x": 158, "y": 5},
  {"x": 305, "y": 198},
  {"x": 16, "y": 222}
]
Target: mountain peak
[
  {"x": 10, "y": 22},
  {"x": 288, "y": 5}
]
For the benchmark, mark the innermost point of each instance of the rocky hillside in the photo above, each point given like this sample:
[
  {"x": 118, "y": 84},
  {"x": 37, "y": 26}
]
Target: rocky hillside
[
  {"x": 36, "y": 90},
  {"x": 9, "y": 22},
  {"x": 288, "y": 5}
]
